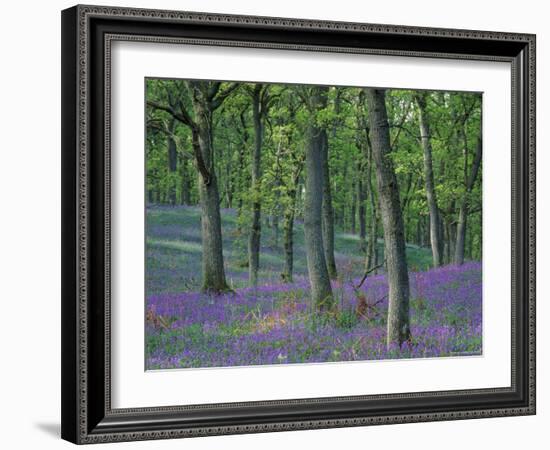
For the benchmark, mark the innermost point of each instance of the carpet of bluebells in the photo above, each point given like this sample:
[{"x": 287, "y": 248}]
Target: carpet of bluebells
[{"x": 274, "y": 323}]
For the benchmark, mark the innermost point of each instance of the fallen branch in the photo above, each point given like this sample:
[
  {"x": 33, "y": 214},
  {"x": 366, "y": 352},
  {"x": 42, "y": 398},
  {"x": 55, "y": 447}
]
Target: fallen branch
[{"x": 372, "y": 269}]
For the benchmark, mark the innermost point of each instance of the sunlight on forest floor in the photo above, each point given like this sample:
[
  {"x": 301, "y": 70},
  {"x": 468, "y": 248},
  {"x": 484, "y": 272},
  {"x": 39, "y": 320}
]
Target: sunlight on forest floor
[{"x": 274, "y": 322}]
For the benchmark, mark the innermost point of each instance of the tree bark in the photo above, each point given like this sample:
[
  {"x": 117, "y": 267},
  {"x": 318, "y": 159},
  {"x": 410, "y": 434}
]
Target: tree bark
[
  {"x": 353, "y": 209},
  {"x": 463, "y": 212},
  {"x": 429, "y": 179},
  {"x": 185, "y": 181},
  {"x": 372, "y": 250},
  {"x": 212, "y": 250},
  {"x": 328, "y": 211},
  {"x": 361, "y": 209},
  {"x": 321, "y": 290},
  {"x": 288, "y": 231},
  {"x": 172, "y": 162},
  {"x": 241, "y": 181},
  {"x": 256, "y": 225},
  {"x": 392, "y": 220}
]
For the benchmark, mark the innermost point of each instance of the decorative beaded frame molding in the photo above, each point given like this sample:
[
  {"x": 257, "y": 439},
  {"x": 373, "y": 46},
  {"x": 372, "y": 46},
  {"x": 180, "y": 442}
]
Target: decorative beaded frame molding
[{"x": 87, "y": 416}]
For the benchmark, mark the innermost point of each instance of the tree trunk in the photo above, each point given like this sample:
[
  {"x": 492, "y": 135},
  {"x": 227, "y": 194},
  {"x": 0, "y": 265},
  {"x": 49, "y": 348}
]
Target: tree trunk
[
  {"x": 361, "y": 209},
  {"x": 288, "y": 230},
  {"x": 289, "y": 247},
  {"x": 212, "y": 252},
  {"x": 353, "y": 210},
  {"x": 446, "y": 242},
  {"x": 372, "y": 250},
  {"x": 256, "y": 225},
  {"x": 321, "y": 290},
  {"x": 463, "y": 212},
  {"x": 392, "y": 220},
  {"x": 328, "y": 212},
  {"x": 429, "y": 179},
  {"x": 185, "y": 181},
  {"x": 228, "y": 179},
  {"x": 172, "y": 163},
  {"x": 241, "y": 173}
]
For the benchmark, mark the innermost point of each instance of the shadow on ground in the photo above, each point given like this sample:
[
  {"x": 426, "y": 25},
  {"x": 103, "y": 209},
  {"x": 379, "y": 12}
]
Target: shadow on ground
[{"x": 52, "y": 429}]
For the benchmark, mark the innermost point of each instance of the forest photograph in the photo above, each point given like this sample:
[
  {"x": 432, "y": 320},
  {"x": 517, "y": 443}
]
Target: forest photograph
[{"x": 292, "y": 223}]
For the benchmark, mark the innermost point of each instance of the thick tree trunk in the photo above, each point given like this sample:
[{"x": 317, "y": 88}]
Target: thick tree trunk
[
  {"x": 328, "y": 211},
  {"x": 463, "y": 212},
  {"x": 212, "y": 255},
  {"x": 256, "y": 224},
  {"x": 392, "y": 220},
  {"x": 321, "y": 290},
  {"x": 429, "y": 180},
  {"x": 212, "y": 250}
]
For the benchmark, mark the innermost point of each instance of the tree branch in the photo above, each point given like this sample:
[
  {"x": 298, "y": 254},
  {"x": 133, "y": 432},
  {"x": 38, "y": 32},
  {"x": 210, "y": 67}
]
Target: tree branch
[
  {"x": 182, "y": 116},
  {"x": 372, "y": 269},
  {"x": 217, "y": 101}
]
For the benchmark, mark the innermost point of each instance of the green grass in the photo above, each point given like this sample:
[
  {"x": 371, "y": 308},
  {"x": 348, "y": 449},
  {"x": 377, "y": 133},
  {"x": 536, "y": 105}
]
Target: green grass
[{"x": 174, "y": 245}]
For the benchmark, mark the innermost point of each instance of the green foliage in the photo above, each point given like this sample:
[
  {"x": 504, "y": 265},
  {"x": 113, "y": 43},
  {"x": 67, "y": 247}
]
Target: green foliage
[{"x": 455, "y": 126}]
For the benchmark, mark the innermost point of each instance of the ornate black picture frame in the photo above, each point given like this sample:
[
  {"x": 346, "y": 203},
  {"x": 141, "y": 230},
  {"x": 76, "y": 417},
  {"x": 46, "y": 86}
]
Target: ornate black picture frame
[{"x": 87, "y": 33}]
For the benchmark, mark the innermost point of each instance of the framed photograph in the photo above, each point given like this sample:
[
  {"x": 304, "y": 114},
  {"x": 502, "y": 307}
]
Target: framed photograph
[{"x": 279, "y": 224}]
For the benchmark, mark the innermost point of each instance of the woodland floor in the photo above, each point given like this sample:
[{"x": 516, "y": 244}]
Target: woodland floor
[{"x": 274, "y": 323}]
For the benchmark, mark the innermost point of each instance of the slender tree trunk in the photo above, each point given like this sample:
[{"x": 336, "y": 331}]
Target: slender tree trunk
[
  {"x": 241, "y": 174},
  {"x": 392, "y": 220},
  {"x": 372, "y": 250},
  {"x": 228, "y": 178},
  {"x": 288, "y": 231},
  {"x": 361, "y": 209},
  {"x": 353, "y": 209},
  {"x": 185, "y": 181},
  {"x": 463, "y": 212},
  {"x": 405, "y": 206},
  {"x": 288, "y": 228},
  {"x": 256, "y": 224},
  {"x": 461, "y": 235},
  {"x": 447, "y": 242},
  {"x": 452, "y": 241},
  {"x": 172, "y": 163},
  {"x": 429, "y": 179},
  {"x": 276, "y": 229},
  {"x": 328, "y": 211},
  {"x": 321, "y": 290}
]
